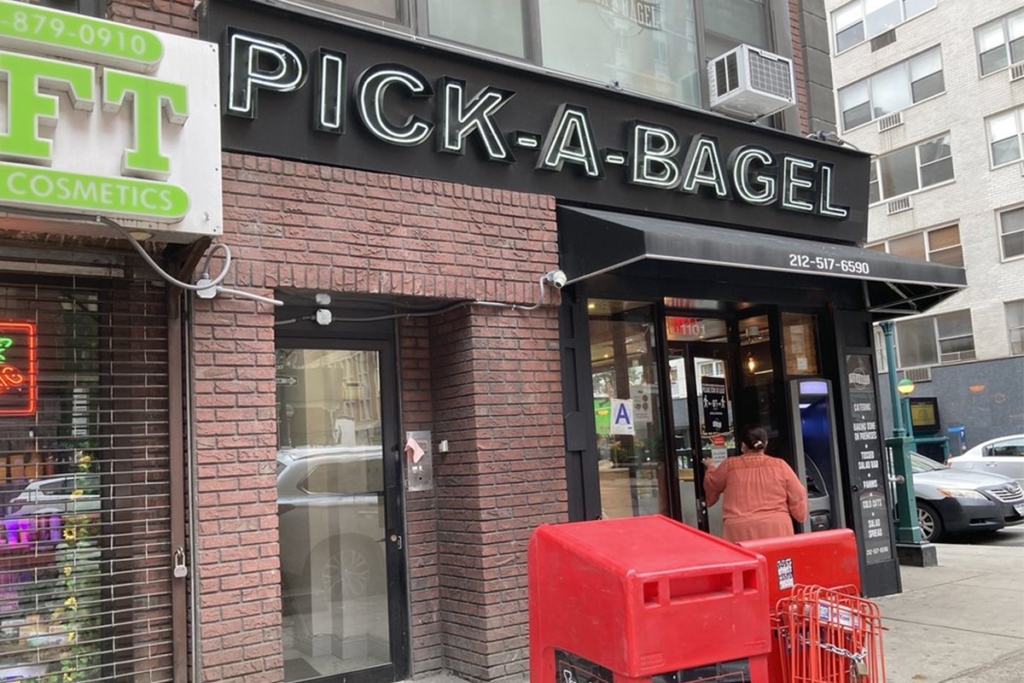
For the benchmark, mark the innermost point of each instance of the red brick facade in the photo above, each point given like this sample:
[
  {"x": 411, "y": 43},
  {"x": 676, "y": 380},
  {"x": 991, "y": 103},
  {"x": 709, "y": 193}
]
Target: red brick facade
[{"x": 486, "y": 379}]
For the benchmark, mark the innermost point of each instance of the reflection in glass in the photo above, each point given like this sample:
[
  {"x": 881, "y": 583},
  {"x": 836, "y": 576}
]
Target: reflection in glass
[
  {"x": 330, "y": 488},
  {"x": 654, "y": 55},
  {"x": 626, "y": 408},
  {"x": 757, "y": 373},
  {"x": 495, "y": 25},
  {"x": 800, "y": 343}
]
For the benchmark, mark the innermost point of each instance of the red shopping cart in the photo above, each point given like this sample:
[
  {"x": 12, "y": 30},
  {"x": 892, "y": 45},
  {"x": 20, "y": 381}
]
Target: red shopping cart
[{"x": 829, "y": 636}]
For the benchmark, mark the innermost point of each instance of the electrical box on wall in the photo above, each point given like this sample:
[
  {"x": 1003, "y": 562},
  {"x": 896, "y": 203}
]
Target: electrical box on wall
[
  {"x": 748, "y": 83},
  {"x": 419, "y": 462}
]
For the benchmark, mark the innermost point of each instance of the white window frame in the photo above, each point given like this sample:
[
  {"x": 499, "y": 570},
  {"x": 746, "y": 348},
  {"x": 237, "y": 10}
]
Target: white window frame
[
  {"x": 1005, "y": 22},
  {"x": 1018, "y": 122},
  {"x": 934, "y": 319},
  {"x": 1000, "y": 234},
  {"x": 876, "y": 163},
  {"x": 835, "y": 34},
  {"x": 869, "y": 80},
  {"x": 1010, "y": 330},
  {"x": 925, "y": 234}
]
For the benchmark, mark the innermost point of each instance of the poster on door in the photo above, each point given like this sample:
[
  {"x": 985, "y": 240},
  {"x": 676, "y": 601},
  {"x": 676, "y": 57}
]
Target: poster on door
[
  {"x": 713, "y": 404},
  {"x": 641, "y": 394},
  {"x": 622, "y": 417}
]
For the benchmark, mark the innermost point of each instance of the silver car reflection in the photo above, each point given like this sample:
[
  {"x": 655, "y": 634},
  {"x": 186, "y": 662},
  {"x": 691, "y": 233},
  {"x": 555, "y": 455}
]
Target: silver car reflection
[{"x": 331, "y": 522}]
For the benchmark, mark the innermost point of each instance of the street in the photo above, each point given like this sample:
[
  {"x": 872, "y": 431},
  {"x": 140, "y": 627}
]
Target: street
[{"x": 1011, "y": 537}]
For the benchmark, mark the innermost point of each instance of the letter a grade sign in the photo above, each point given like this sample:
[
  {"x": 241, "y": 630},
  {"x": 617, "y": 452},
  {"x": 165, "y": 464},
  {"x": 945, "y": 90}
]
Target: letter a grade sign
[{"x": 105, "y": 119}]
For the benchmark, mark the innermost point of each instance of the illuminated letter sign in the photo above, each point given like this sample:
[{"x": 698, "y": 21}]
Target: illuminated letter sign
[
  {"x": 18, "y": 380},
  {"x": 347, "y": 98}
]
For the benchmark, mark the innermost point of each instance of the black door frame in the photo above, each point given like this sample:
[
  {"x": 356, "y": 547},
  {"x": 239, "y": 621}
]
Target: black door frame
[
  {"x": 380, "y": 338},
  {"x": 689, "y": 350}
]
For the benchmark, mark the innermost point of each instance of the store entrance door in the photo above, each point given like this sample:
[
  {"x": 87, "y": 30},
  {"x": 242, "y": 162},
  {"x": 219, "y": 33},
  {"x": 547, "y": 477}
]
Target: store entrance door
[
  {"x": 702, "y": 423},
  {"x": 340, "y": 512}
]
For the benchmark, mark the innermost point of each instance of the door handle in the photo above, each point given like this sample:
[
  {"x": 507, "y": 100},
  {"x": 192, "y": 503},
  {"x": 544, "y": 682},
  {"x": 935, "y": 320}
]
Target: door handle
[{"x": 396, "y": 539}]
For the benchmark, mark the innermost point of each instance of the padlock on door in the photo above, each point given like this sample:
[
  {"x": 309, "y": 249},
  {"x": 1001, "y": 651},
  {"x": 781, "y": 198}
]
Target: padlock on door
[{"x": 180, "y": 568}]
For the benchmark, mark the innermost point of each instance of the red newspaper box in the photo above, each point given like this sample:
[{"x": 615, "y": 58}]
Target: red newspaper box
[
  {"x": 645, "y": 599},
  {"x": 823, "y": 558}
]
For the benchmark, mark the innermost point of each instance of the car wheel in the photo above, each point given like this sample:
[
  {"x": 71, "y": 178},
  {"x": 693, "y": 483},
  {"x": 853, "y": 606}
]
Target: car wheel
[
  {"x": 929, "y": 522},
  {"x": 350, "y": 570}
]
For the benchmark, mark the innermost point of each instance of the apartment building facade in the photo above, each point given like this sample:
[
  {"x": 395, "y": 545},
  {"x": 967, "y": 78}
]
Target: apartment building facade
[{"x": 935, "y": 89}]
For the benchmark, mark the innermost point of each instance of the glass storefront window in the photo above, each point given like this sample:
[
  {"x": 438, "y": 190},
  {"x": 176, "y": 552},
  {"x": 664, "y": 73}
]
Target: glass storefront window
[
  {"x": 626, "y": 408},
  {"x": 800, "y": 343},
  {"x": 757, "y": 372},
  {"x": 654, "y": 52},
  {"x": 330, "y": 491}
]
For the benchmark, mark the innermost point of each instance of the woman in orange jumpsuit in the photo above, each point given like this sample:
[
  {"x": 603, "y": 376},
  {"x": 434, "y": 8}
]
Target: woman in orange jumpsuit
[{"x": 761, "y": 492}]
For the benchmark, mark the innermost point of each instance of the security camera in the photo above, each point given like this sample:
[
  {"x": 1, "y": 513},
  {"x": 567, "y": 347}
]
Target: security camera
[{"x": 557, "y": 278}]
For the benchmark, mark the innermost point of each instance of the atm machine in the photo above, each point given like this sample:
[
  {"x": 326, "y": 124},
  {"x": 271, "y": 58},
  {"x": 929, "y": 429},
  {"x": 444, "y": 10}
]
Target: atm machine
[{"x": 812, "y": 412}]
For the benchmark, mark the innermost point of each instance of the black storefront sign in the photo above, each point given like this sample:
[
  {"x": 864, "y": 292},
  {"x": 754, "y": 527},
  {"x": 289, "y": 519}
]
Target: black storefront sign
[
  {"x": 713, "y": 404},
  {"x": 304, "y": 89},
  {"x": 869, "y": 476}
]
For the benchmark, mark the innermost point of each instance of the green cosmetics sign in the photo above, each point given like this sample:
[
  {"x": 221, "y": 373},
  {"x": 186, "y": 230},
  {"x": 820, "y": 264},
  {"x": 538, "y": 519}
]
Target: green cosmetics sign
[
  {"x": 63, "y": 71},
  {"x": 72, "y": 35}
]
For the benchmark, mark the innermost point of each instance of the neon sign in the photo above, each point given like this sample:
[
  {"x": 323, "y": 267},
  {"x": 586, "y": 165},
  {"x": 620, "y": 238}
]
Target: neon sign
[{"x": 18, "y": 368}]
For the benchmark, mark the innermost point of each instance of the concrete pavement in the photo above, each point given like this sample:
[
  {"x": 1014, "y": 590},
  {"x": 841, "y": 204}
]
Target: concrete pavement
[{"x": 962, "y": 621}]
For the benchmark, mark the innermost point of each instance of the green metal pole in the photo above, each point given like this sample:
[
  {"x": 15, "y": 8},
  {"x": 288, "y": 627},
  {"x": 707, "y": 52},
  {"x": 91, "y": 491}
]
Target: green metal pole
[
  {"x": 900, "y": 446},
  {"x": 894, "y": 395}
]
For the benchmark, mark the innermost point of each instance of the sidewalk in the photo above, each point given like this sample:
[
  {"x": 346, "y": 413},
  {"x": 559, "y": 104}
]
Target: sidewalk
[{"x": 962, "y": 621}]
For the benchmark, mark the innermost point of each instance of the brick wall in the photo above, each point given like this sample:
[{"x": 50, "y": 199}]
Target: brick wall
[
  {"x": 799, "y": 72},
  {"x": 486, "y": 379},
  {"x": 497, "y": 396},
  {"x": 170, "y": 16}
]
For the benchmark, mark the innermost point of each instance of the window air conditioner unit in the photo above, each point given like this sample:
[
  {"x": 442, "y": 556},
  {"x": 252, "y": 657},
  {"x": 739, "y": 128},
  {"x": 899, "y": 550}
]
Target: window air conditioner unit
[
  {"x": 749, "y": 83},
  {"x": 1017, "y": 72}
]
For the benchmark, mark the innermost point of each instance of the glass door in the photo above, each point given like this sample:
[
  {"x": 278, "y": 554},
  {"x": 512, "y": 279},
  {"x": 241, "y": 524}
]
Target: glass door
[
  {"x": 703, "y": 423},
  {"x": 339, "y": 515},
  {"x": 627, "y": 409}
]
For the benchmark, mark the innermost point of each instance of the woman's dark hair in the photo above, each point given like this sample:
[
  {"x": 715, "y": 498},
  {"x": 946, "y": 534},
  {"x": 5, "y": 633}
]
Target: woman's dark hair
[{"x": 754, "y": 437}]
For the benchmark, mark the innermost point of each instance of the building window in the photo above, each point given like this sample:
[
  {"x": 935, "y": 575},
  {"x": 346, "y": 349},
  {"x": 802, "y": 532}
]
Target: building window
[
  {"x": 1001, "y": 42},
  {"x": 91, "y": 8},
  {"x": 1015, "y": 326},
  {"x": 861, "y": 20},
  {"x": 947, "y": 338},
  {"x": 496, "y": 25},
  {"x": 1005, "y": 135},
  {"x": 939, "y": 245},
  {"x": 1011, "y": 232},
  {"x": 894, "y": 89},
  {"x": 910, "y": 169},
  {"x": 655, "y": 48}
]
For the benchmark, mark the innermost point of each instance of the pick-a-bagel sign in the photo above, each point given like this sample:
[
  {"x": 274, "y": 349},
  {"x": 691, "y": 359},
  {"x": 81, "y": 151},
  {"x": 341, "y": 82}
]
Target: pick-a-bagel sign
[
  {"x": 373, "y": 102},
  {"x": 106, "y": 119}
]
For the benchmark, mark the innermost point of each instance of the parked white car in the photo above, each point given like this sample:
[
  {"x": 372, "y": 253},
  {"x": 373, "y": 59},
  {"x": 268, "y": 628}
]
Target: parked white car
[
  {"x": 1004, "y": 456},
  {"x": 53, "y": 496}
]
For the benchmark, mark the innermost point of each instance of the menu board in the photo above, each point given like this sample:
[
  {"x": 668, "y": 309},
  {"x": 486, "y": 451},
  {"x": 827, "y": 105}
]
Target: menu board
[{"x": 869, "y": 476}]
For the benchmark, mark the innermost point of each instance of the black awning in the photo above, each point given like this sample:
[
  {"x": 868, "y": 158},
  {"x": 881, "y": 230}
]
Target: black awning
[{"x": 595, "y": 242}]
